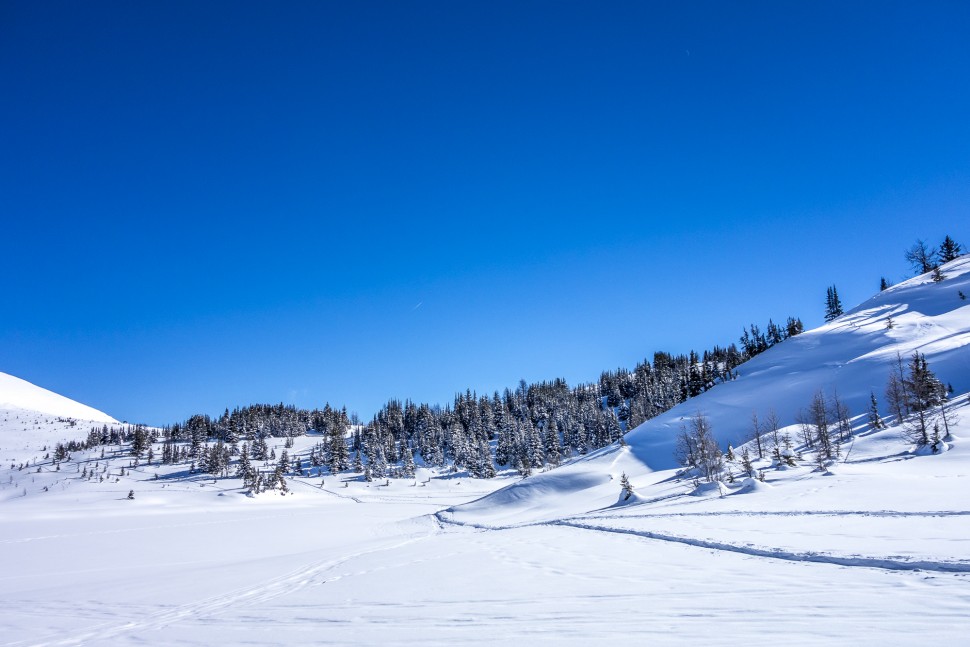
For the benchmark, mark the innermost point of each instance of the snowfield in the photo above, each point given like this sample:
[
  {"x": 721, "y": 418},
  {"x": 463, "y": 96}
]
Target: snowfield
[{"x": 875, "y": 550}]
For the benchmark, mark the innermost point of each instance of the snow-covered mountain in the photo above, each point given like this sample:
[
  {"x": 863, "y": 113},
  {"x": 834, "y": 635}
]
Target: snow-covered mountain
[
  {"x": 33, "y": 416},
  {"x": 16, "y": 393},
  {"x": 851, "y": 356}
]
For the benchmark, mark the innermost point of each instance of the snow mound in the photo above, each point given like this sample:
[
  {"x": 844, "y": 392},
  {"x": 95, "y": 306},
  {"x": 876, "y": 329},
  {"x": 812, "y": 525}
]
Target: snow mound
[
  {"x": 710, "y": 489},
  {"x": 932, "y": 449},
  {"x": 16, "y": 393},
  {"x": 632, "y": 499},
  {"x": 749, "y": 485}
]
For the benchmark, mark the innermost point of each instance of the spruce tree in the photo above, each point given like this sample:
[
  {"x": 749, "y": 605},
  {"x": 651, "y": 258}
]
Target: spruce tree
[
  {"x": 625, "y": 487},
  {"x": 949, "y": 250},
  {"x": 874, "y": 420},
  {"x": 833, "y": 305},
  {"x": 407, "y": 469},
  {"x": 923, "y": 391}
]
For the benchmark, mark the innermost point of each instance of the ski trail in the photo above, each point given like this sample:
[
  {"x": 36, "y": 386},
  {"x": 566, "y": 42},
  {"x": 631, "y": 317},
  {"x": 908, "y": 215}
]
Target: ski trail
[
  {"x": 820, "y": 558},
  {"x": 295, "y": 580}
]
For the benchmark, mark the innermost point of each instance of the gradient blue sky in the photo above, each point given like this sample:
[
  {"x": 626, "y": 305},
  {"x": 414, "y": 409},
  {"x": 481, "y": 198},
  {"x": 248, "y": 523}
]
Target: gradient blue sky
[{"x": 212, "y": 204}]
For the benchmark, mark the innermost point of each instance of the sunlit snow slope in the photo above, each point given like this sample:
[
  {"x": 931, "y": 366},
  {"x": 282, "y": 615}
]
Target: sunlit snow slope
[
  {"x": 851, "y": 355},
  {"x": 31, "y": 415}
]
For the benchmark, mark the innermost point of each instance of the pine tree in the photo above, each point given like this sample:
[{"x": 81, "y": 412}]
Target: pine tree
[
  {"x": 874, "y": 420},
  {"x": 949, "y": 250},
  {"x": 923, "y": 391},
  {"x": 746, "y": 464},
  {"x": 407, "y": 470},
  {"x": 833, "y": 305},
  {"x": 625, "y": 487},
  {"x": 883, "y": 284}
]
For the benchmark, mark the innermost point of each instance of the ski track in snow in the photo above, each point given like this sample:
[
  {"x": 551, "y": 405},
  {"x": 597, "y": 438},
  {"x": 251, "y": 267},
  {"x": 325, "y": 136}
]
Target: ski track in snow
[
  {"x": 884, "y": 563},
  {"x": 821, "y": 558},
  {"x": 313, "y": 574}
]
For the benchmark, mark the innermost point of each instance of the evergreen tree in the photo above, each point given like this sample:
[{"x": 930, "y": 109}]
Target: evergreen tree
[
  {"x": 883, "y": 284},
  {"x": 553, "y": 447},
  {"x": 874, "y": 420},
  {"x": 408, "y": 468},
  {"x": 625, "y": 487},
  {"x": 244, "y": 468},
  {"x": 746, "y": 464},
  {"x": 923, "y": 391},
  {"x": 949, "y": 250},
  {"x": 141, "y": 441},
  {"x": 833, "y": 305}
]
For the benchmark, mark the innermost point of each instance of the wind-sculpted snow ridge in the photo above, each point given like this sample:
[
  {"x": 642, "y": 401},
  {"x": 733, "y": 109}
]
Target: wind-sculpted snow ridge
[
  {"x": 17, "y": 394},
  {"x": 851, "y": 356}
]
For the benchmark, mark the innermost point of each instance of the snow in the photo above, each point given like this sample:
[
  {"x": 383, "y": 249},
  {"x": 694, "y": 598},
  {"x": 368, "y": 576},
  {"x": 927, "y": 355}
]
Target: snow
[
  {"x": 32, "y": 417},
  {"x": 874, "y": 551}
]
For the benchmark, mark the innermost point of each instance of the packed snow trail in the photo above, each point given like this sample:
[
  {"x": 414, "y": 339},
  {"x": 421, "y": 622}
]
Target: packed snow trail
[{"x": 820, "y": 558}]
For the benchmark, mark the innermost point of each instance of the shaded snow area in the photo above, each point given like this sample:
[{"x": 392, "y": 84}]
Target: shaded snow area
[{"x": 873, "y": 548}]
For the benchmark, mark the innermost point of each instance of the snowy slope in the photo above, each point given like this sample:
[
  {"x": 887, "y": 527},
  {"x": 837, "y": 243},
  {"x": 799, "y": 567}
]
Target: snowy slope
[
  {"x": 21, "y": 394},
  {"x": 851, "y": 356},
  {"x": 32, "y": 417},
  {"x": 873, "y": 552}
]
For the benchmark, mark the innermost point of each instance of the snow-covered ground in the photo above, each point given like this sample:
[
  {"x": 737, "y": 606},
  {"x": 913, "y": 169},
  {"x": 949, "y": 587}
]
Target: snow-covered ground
[{"x": 874, "y": 551}]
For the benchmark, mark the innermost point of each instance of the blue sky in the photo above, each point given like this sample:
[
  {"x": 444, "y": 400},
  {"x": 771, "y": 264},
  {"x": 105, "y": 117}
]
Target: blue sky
[{"x": 213, "y": 204}]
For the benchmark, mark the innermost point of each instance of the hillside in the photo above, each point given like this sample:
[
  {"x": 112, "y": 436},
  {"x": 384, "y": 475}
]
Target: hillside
[
  {"x": 872, "y": 549},
  {"x": 32, "y": 417},
  {"x": 850, "y": 356}
]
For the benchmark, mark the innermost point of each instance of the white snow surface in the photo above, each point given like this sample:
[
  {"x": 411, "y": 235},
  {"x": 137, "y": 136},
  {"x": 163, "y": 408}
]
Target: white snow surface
[
  {"x": 16, "y": 393},
  {"x": 874, "y": 551}
]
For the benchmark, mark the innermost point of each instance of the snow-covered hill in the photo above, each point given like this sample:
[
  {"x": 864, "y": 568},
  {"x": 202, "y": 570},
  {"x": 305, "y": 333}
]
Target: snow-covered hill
[
  {"x": 105, "y": 547},
  {"x": 16, "y": 393},
  {"x": 32, "y": 417},
  {"x": 851, "y": 356}
]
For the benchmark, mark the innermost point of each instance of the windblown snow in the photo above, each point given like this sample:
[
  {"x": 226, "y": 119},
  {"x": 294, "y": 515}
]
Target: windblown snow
[{"x": 872, "y": 550}]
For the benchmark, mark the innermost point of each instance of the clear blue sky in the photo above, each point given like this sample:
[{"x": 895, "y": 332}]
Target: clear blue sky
[{"x": 212, "y": 204}]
